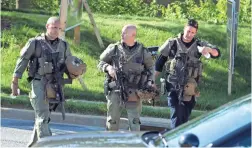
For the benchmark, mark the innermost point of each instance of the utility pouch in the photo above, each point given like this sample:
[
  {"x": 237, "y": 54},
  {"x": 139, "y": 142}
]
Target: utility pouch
[
  {"x": 137, "y": 79},
  {"x": 196, "y": 73},
  {"x": 167, "y": 66},
  {"x": 112, "y": 85},
  {"x": 143, "y": 80},
  {"x": 106, "y": 85},
  {"x": 200, "y": 69},
  {"x": 32, "y": 69},
  {"x": 41, "y": 62},
  {"x": 44, "y": 67},
  {"x": 48, "y": 67},
  {"x": 50, "y": 91},
  {"x": 131, "y": 78},
  {"x": 190, "y": 71},
  {"x": 190, "y": 89},
  {"x": 172, "y": 66},
  {"x": 132, "y": 96}
]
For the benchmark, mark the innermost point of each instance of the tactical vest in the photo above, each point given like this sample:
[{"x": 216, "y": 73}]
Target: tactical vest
[
  {"x": 132, "y": 63},
  {"x": 42, "y": 61},
  {"x": 193, "y": 65}
]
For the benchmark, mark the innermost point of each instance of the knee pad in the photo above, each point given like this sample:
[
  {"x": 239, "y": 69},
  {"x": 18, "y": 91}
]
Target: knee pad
[
  {"x": 136, "y": 121},
  {"x": 112, "y": 125},
  {"x": 112, "y": 121}
]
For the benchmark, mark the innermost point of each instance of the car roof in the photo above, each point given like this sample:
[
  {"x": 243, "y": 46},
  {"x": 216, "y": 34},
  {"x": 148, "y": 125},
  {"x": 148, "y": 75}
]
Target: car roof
[{"x": 215, "y": 124}]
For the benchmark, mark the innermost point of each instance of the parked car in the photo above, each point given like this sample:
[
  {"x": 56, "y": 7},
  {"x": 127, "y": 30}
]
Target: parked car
[{"x": 227, "y": 126}]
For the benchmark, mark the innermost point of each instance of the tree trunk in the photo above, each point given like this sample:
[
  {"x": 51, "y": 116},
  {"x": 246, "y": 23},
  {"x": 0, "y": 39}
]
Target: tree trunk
[{"x": 23, "y": 4}]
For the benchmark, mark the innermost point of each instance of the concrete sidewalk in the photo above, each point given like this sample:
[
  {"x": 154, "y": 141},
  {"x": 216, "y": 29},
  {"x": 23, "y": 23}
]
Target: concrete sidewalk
[{"x": 148, "y": 123}]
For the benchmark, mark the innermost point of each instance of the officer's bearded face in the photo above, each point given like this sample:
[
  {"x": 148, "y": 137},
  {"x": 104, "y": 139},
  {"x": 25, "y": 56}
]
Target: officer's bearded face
[
  {"x": 53, "y": 30},
  {"x": 189, "y": 33},
  {"x": 129, "y": 37}
]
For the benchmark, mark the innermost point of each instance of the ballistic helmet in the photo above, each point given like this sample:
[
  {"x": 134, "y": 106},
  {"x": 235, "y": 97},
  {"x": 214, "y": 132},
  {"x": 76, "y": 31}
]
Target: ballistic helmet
[{"x": 75, "y": 66}]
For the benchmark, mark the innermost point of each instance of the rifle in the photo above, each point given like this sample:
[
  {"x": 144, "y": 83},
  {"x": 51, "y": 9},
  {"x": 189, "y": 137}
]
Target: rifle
[
  {"x": 181, "y": 72},
  {"x": 120, "y": 78},
  {"x": 59, "y": 81},
  {"x": 83, "y": 85}
]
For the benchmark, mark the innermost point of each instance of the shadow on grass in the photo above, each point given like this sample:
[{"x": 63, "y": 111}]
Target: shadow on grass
[
  {"x": 87, "y": 36},
  {"x": 174, "y": 30},
  {"x": 28, "y": 11},
  {"x": 243, "y": 67},
  {"x": 17, "y": 21},
  {"x": 6, "y": 90},
  {"x": 129, "y": 17}
]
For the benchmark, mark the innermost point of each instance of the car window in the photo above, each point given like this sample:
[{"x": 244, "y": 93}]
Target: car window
[{"x": 241, "y": 138}]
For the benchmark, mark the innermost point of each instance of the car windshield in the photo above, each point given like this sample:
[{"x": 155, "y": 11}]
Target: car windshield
[
  {"x": 243, "y": 138},
  {"x": 215, "y": 125}
]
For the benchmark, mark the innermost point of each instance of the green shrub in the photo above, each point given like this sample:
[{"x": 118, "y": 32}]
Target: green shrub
[
  {"x": 245, "y": 11},
  {"x": 51, "y": 6},
  {"x": 222, "y": 11},
  {"x": 8, "y": 4},
  {"x": 205, "y": 10},
  {"x": 44, "y": 6},
  {"x": 131, "y": 7}
]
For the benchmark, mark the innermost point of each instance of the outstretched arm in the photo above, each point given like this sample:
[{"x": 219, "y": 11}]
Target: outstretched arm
[{"x": 209, "y": 48}]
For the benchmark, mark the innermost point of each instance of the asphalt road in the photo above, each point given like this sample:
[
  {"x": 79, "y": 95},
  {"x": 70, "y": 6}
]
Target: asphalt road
[{"x": 17, "y": 133}]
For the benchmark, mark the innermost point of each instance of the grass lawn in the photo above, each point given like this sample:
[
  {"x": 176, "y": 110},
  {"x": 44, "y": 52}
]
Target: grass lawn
[
  {"x": 18, "y": 27},
  {"x": 90, "y": 107}
]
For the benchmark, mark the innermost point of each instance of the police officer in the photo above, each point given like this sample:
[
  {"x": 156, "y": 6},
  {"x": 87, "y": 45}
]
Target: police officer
[
  {"x": 134, "y": 61},
  {"x": 184, "y": 70},
  {"x": 38, "y": 53}
]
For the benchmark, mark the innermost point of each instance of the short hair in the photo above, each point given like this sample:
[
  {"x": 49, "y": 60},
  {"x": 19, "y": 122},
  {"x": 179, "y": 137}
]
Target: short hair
[
  {"x": 193, "y": 23},
  {"x": 53, "y": 20},
  {"x": 128, "y": 27}
]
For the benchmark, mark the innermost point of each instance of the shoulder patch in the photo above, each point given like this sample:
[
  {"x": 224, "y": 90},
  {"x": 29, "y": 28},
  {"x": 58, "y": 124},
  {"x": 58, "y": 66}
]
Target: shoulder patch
[
  {"x": 172, "y": 40},
  {"x": 64, "y": 42},
  {"x": 111, "y": 47}
]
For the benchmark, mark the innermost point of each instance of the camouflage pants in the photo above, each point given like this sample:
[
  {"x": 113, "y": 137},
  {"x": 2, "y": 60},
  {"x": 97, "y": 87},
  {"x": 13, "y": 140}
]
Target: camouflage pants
[
  {"x": 114, "y": 110},
  {"x": 42, "y": 113}
]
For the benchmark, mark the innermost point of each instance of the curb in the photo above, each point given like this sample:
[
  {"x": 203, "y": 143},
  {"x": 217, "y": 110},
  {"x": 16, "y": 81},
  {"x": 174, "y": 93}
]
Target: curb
[{"x": 147, "y": 123}]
